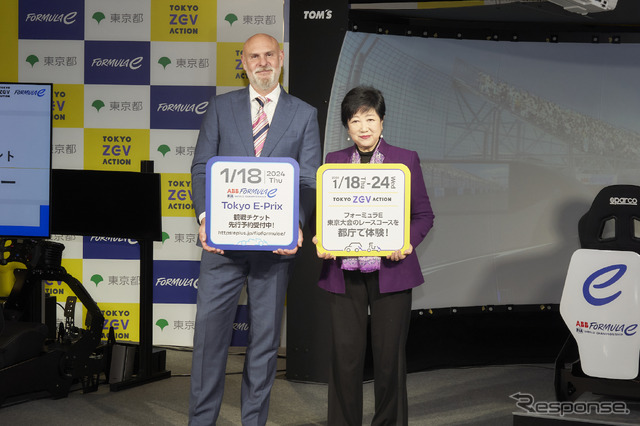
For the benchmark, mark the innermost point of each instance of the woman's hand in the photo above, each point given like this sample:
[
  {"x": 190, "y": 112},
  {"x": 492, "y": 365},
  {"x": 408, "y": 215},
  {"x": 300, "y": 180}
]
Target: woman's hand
[
  {"x": 324, "y": 255},
  {"x": 399, "y": 255}
]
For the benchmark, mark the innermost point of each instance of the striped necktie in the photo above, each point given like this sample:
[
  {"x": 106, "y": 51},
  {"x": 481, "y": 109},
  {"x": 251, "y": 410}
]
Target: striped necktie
[{"x": 260, "y": 126}]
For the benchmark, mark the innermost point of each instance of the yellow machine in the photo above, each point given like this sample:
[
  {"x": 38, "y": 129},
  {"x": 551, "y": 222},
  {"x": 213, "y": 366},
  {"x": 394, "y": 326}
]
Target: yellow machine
[{"x": 7, "y": 277}]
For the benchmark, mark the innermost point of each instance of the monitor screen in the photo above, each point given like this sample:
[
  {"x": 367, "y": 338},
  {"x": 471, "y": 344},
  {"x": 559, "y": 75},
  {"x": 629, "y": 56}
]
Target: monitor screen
[{"x": 25, "y": 159}]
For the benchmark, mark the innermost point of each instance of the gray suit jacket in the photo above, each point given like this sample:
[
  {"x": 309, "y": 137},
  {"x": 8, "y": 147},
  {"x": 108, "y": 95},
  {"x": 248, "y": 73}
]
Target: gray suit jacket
[{"x": 226, "y": 131}]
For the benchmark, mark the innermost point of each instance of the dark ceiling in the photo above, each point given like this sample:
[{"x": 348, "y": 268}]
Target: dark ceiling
[{"x": 529, "y": 20}]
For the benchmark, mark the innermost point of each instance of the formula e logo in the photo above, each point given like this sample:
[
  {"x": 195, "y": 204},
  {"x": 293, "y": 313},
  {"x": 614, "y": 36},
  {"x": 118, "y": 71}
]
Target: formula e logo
[
  {"x": 133, "y": 64},
  {"x": 317, "y": 14},
  {"x": 66, "y": 19},
  {"x": 50, "y": 20},
  {"x": 39, "y": 93},
  {"x": 624, "y": 201},
  {"x": 586, "y": 288},
  {"x": 199, "y": 109}
]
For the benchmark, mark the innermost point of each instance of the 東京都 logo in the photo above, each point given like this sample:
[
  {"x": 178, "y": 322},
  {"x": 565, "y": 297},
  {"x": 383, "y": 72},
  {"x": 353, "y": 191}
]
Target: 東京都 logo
[{"x": 589, "y": 284}]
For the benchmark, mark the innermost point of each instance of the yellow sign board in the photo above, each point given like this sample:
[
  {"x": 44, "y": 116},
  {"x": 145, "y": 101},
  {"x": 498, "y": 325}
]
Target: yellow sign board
[{"x": 363, "y": 209}]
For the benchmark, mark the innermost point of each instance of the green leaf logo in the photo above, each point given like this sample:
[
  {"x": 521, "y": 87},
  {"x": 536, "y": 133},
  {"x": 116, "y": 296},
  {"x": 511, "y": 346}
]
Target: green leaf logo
[
  {"x": 162, "y": 323},
  {"x": 165, "y": 237},
  {"x": 164, "y": 61},
  {"x": 163, "y": 149},
  {"x": 231, "y": 18},
  {"x": 32, "y": 59},
  {"x": 97, "y": 104},
  {"x": 97, "y": 279},
  {"x": 98, "y": 16}
]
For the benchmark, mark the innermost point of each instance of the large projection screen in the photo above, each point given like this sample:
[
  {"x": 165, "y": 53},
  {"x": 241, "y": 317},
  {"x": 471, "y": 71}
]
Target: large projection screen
[{"x": 515, "y": 140}]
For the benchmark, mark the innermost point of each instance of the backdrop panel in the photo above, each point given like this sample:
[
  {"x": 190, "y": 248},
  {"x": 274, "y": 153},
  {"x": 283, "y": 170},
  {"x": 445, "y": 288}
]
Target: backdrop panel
[{"x": 132, "y": 80}]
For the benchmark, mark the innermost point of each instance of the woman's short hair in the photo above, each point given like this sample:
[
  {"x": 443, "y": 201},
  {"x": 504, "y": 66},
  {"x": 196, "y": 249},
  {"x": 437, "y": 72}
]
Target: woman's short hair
[{"x": 362, "y": 98}]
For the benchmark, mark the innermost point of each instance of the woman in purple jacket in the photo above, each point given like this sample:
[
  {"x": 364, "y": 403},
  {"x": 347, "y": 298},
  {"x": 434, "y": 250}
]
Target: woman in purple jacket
[{"x": 380, "y": 285}]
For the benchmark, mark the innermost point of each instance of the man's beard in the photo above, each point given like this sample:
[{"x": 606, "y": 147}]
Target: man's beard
[{"x": 265, "y": 83}]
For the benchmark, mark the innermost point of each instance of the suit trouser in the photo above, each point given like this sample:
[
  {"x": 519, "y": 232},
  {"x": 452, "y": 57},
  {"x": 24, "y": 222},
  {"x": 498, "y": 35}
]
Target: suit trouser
[
  {"x": 390, "y": 318},
  {"x": 219, "y": 286}
]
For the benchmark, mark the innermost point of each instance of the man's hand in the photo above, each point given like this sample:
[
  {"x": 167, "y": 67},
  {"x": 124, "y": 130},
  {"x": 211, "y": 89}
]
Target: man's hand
[
  {"x": 202, "y": 234},
  {"x": 293, "y": 250}
]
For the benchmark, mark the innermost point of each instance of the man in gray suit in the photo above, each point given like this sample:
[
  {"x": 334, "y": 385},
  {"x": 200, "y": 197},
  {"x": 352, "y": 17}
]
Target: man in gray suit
[{"x": 292, "y": 131}]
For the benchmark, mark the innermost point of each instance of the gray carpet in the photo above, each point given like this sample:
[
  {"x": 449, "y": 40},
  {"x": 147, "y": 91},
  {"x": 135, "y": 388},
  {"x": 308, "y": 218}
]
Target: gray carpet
[{"x": 467, "y": 396}]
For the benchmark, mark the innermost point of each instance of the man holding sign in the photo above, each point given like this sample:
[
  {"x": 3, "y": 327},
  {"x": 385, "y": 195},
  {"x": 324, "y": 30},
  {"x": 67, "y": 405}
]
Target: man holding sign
[{"x": 261, "y": 120}]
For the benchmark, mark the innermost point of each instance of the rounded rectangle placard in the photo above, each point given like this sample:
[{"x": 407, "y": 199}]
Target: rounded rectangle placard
[
  {"x": 363, "y": 209},
  {"x": 252, "y": 203}
]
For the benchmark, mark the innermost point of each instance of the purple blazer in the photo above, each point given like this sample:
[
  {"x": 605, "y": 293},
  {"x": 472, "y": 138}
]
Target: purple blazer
[{"x": 406, "y": 273}]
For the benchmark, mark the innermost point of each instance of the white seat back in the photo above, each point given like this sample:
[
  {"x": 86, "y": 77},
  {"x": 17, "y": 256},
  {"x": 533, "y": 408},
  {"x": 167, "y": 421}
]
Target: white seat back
[{"x": 601, "y": 306}]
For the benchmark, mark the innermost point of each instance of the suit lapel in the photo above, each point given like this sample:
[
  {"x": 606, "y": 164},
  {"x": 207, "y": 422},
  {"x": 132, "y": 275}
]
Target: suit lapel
[
  {"x": 383, "y": 148},
  {"x": 280, "y": 122},
  {"x": 349, "y": 154},
  {"x": 242, "y": 113}
]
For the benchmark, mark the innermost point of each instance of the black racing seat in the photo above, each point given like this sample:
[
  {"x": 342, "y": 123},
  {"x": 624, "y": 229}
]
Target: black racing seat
[
  {"x": 20, "y": 340},
  {"x": 613, "y": 221}
]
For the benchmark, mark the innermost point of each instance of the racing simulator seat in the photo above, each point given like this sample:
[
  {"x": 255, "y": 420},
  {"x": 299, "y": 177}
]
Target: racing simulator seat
[
  {"x": 601, "y": 301},
  {"x": 32, "y": 358},
  {"x": 20, "y": 340}
]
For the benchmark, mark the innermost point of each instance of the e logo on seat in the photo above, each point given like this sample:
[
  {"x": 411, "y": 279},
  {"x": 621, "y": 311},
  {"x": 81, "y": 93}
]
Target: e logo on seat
[{"x": 595, "y": 301}]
